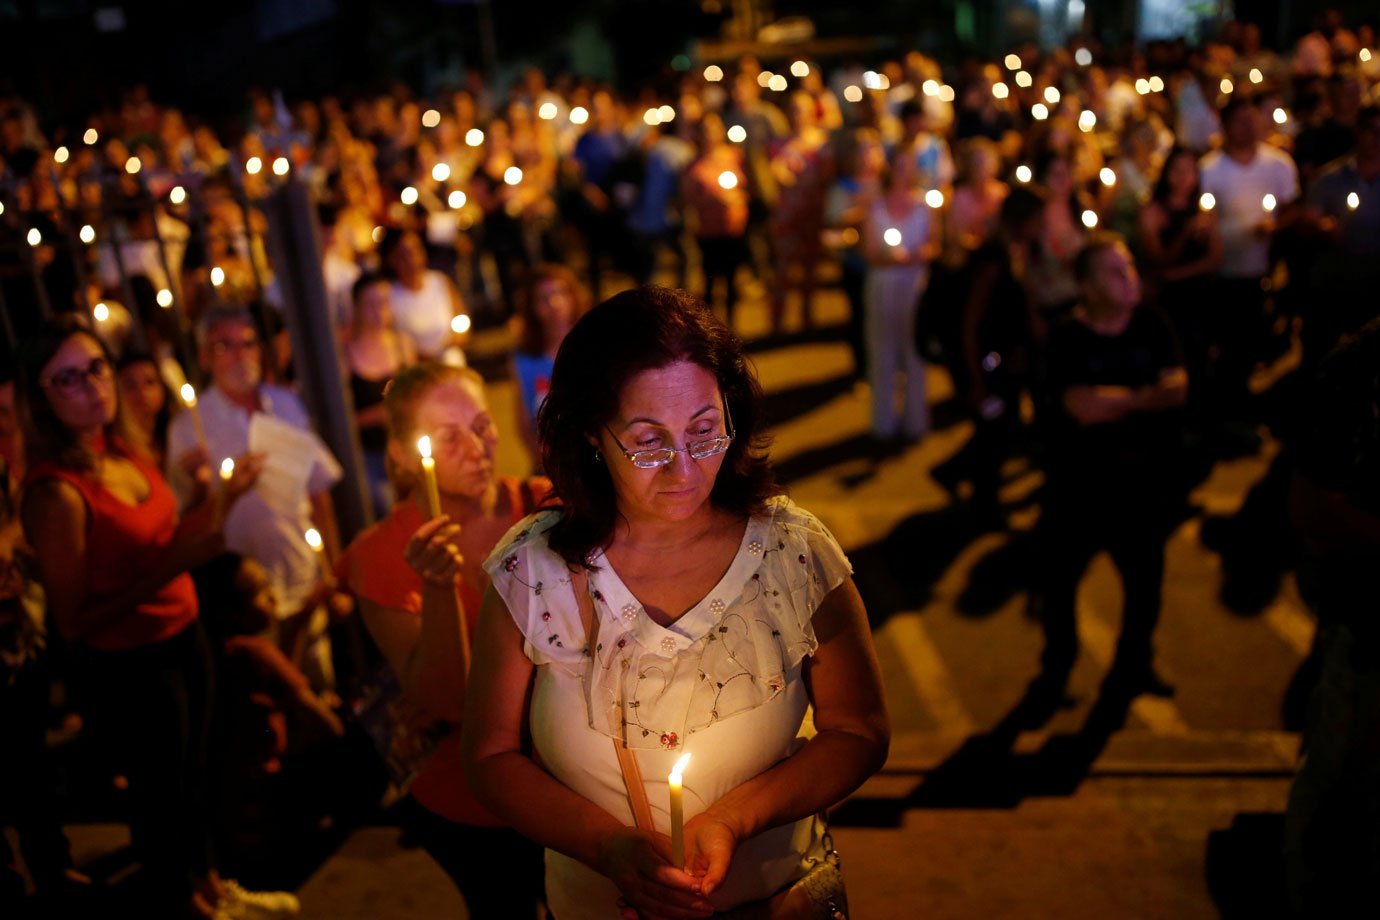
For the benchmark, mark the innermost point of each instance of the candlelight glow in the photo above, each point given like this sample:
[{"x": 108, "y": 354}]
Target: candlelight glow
[
  {"x": 165, "y": 298},
  {"x": 512, "y": 175},
  {"x": 651, "y": 118},
  {"x": 1142, "y": 86},
  {"x": 188, "y": 395},
  {"x": 1256, "y": 75},
  {"x": 1156, "y": 84},
  {"x": 87, "y": 233},
  {"x": 253, "y": 165},
  {"x": 1013, "y": 62},
  {"x": 474, "y": 137},
  {"x": 1226, "y": 85},
  {"x": 1364, "y": 55},
  {"x": 101, "y": 312},
  {"x": 1082, "y": 57},
  {"x": 1281, "y": 116},
  {"x": 377, "y": 235},
  {"x": 460, "y": 324},
  {"x": 713, "y": 73},
  {"x": 1000, "y": 90},
  {"x": 227, "y": 469},
  {"x": 35, "y": 237},
  {"x": 424, "y": 447},
  {"x": 852, "y": 93},
  {"x": 1023, "y": 173},
  {"x": 281, "y": 166},
  {"x": 217, "y": 276},
  {"x": 408, "y": 196},
  {"x": 667, "y": 113},
  {"x": 777, "y": 83},
  {"x": 934, "y": 198},
  {"x": 946, "y": 93},
  {"x": 440, "y": 172},
  {"x": 61, "y": 154},
  {"x": 1087, "y": 120},
  {"x": 1207, "y": 201},
  {"x": 1268, "y": 202},
  {"x": 1089, "y": 219},
  {"x": 678, "y": 770},
  {"x": 800, "y": 69},
  {"x": 1023, "y": 79},
  {"x": 456, "y": 199},
  {"x": 313, "y": 538},
  {"x": 891, "y": 236},
  {"x": 930, "y": 87},
  {"x": 91, "y": 136},
  {"x": 1051, "y": 95},
  {"x": 737, "y": 134},
  {"x": 1353, "y": 200},
  {"x": 177, "y": 195},
  {"x": 1039, "y": 112},
  {"x": 579, "y": 115},
  {"x": 764, "y": 77},
  {"x": 431, "y": 118},
  {"x": 1108, "y": 176},
  {"x": 728, "y": 179},
  {"x": 547, "y": 111},
  {"x": 133, "y": 165}
]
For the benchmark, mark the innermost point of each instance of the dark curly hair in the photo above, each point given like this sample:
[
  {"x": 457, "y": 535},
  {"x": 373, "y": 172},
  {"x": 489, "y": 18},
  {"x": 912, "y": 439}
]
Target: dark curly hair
[{"x": 639, "y": 330}]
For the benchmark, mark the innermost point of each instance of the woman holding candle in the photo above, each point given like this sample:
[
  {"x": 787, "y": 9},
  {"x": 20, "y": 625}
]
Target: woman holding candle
[
  {"x": 418, "y": 581},
  {"x": 113, "y": 557},
  {"x": 718, "y": 611}
]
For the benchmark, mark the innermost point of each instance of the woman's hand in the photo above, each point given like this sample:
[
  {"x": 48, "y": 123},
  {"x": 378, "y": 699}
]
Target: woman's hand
[
  {"x": 639, "y": 863},
  {"x": 433, "y": 554},
  {"x": 709, "y": 846}
]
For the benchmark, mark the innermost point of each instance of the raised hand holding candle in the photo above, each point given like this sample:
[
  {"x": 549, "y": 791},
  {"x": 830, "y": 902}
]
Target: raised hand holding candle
[
  {"x": 433, "y": 494},
  {"x": 189, "y": 400},
  {"x": 678, "y": 812}
]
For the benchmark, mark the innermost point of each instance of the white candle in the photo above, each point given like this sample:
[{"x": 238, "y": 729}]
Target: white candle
[
  {"x": 189, "y": 400},
  {"x": 677, "y": 812},
  {"x": 433, "y": 493},
  {"x": 227, "y": 471}
]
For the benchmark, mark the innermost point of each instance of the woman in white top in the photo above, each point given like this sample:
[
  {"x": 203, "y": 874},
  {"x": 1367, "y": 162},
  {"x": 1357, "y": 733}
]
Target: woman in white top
[
  {"x": 426, "y": 303},
  {"x": 720, "y": 611}
]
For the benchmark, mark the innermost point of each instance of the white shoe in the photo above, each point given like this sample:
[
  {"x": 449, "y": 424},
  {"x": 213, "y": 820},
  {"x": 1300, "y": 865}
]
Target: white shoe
[{"x": 239, "y": 903}]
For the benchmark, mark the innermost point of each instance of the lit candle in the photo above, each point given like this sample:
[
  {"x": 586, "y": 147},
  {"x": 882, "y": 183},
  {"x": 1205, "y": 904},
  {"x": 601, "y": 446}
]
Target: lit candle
[
  {"x": 433, "y": 494},
  {"x": 1353, "y": 201},
  {"x": 227, "y": 471},
  {"x": 189, "y": 400},
  {"x": 891, "y": 236},
  {"x": 1268, "y": 203},
  {"x": 318, "y": 546},
  {"x": 1208, "y": 201},
  {"x": 677, "y": 812}
]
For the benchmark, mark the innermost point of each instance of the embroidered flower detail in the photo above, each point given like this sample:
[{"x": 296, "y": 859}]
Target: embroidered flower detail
[
  {"x": 755, "y": 548},
  {"x": 510, "y": 564},
  {"x": 802, "y": 558},
  {"x": 622, "y": 642},
  {"x": 546, "y": 615},
  {"x": 629, "y": 612},
  {"x": 598, "y": 596},
  {"x": 716, "y": 606},
  {"x": 668, "y": 645},
  {"x": 775, "y": 685},
  {"x": 669, "y": 741}
]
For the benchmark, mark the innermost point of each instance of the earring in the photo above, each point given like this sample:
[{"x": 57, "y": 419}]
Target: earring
[{"x": 598, "y": 456}]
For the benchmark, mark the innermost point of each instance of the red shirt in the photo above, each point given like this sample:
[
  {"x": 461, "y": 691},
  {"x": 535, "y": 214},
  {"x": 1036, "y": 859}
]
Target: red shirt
[
  {"x": 123, "y": 542},
  {"x": 374, "y": 568}
]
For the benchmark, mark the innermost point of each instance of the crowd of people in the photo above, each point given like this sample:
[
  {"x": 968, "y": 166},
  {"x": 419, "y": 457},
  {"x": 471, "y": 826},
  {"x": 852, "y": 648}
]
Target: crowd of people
[{"x": 1108, "y": 250}]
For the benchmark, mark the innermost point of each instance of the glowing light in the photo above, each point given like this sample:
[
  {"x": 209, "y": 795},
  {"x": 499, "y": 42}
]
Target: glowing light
[
  {"x": 87, "y": 233},
  {"x": 90, "y": 137},
  {"x": 440, "y": 172},
  {"x": 1108, "y": 176},
  {"x": 1000, "y": 90},
  {"x": 667, "y": 113},
  {"x": 253, "y": 165},
  {"x": 852, "y": 93},
  {"x": 377, "y": 235},
  {"x": 800, "y": 69},
  {"x": 281, "y": 166},
  {"x": 177, "y": 195},
  {"x": 1207, "y": 201},
  {"x": 1353, "y": 201},
  {"x": 1256, "y": 75},
  {"x": 1023, "y": 79},
  {"x": 188, "y": 395},
  {"x": 737, "y": 134},
  {"x": 217, "y": 276},
  {"x": 227, "y": 471},
  {"x": 61, "y": 155},
  {"x": 101, "y": 312},
  {"x": 1051, "y": 95},
  {"x": 1082, "y": 57},
  {"x": 424, "y": 447},
  {"x": 934, "y": 198},
  {"x": 1364, "y": 55},
  {"x": 1226, "y": 85},
  {"x": 460, "y": 324},
  {"x": 1039, "y": 112},
  {"x": 431, "y": 118},
  {"x": 547, "y": 112},
  {"x": 728, "y": 179},
  {"x": 1156, "y": 84},
  {"x": 474, "y": 137},
  {"x": 408, "y": 196},
  {"x": 1281, "y": 116},
  {"x": 1087, "y": 120},
  {"x": 579, "y": 115},
  {"x": 651, "y": 118},
  {"x": 713, "y": 73},
  {"x": 165, "y": 298},
  {"x": 1023, "y": 173},
  {"x": 1142, "y": 86},
  {"x": 930, "y": 87},
  {"x": 874, "y": 80},
  {"x": 1089, "y": 219},
  {"x": 512, "y": 175},
  {"x": 313, "y": 538},
  {"x": 35, "y": 237},
  {"x": 764, "y": 78},
  {"x": 1013, "y": 62},
  {"x": 777, "y": 83},
  {"x": 133, "y": 165},
  {"x": 946, "y": 93},
  {"x": 456, "y": 199},
  {"x": 1268, "y": 202},
  {"x": 891, "y": 236}
]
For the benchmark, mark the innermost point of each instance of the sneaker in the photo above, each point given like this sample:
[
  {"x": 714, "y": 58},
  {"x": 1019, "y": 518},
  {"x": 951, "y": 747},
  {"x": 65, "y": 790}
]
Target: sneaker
[{"x": 239, "y": 903}]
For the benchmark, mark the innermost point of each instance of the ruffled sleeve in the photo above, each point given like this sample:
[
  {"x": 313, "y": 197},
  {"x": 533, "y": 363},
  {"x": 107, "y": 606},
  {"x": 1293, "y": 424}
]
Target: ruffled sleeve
[
  {"x": 810, "y": 563},
  {"x": 534, "y": 582}
]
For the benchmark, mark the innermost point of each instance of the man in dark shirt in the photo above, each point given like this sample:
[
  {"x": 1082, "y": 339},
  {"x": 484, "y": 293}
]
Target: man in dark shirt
[{"x": 1116, "y": 382}]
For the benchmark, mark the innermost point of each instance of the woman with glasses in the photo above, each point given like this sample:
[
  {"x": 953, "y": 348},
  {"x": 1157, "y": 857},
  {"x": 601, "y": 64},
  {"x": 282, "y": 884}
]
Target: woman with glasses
[
  {"x": 113, "y": 557},
  {"x": 676, "y": 603},
  {"x": 419, "y": 583}
]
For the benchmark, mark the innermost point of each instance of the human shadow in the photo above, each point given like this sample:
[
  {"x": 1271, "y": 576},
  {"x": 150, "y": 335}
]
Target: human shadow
[
  {"x": 781, "y": 406},
  {"x": 1244, "y": 867},
  {"x": 1257, "y": 544}
]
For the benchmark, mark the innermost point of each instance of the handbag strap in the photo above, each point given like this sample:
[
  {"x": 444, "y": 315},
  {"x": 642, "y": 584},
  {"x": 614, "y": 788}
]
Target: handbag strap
[{"x": 627, "y": 758}]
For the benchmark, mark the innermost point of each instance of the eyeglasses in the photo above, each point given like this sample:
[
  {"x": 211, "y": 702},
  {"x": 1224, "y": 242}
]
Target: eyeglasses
[
  {"x": 69, "y": 380},
  {"x": 226, "y": 346},
  {"x": 655, "y": 457}
]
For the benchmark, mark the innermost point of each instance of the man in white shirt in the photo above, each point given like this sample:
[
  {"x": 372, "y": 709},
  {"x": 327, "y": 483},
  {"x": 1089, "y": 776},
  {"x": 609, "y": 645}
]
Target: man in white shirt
[
  {"x": 1254, "y": 185},
  {"x": 240, "y": 414}
]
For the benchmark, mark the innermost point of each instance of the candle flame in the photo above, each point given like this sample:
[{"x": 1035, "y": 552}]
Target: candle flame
[
  {"x": 424, "y": 447},
  {"x": 679, "y": 768},
  {"x": 227, "y": 468},
  {"x": 188, "y": 395},
  {"x": 313, "y": 538}
]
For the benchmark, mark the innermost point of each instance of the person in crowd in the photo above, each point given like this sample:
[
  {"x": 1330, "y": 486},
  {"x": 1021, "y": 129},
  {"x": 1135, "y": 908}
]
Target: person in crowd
[
  {"x": 1181, "y": 249},
  {"x": 553, "y": 302},
  {"x": 426, "y": 304},
  {"x": 418, "y": 583},
  {"x": 654, "y": 218},
  {"x": 900, "y": 240},
  {"x": 596, "y": 152},
  {"x": 719, "y": 207},
  {"x": 148, "y": 404},
  {"x": 599, "y": 649},
  {"x": 1049, "y": 277},
  {"x": 1116, "y": 381},
  {"x": 857, "y": 183},
  {"x": 113, "y": 557},
  {"x": 240, "y": 414},
  {"x": 801, "y": 167},
  {"x": 374, "y": 353}
]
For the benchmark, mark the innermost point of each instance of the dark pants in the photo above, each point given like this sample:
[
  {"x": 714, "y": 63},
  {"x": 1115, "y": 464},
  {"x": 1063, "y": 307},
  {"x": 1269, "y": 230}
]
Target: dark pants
[
  {"x": 148, "y": 711},
  {"x": 1081, "y": 518},
  {"x": 1234, "y": 330},
  {"x": 498, "y": 871},
  {"x": 720, "y": 259}
]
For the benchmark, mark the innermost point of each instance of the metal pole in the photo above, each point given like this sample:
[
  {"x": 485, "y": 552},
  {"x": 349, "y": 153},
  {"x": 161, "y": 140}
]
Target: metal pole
[{"x": 295, "y": 242}]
